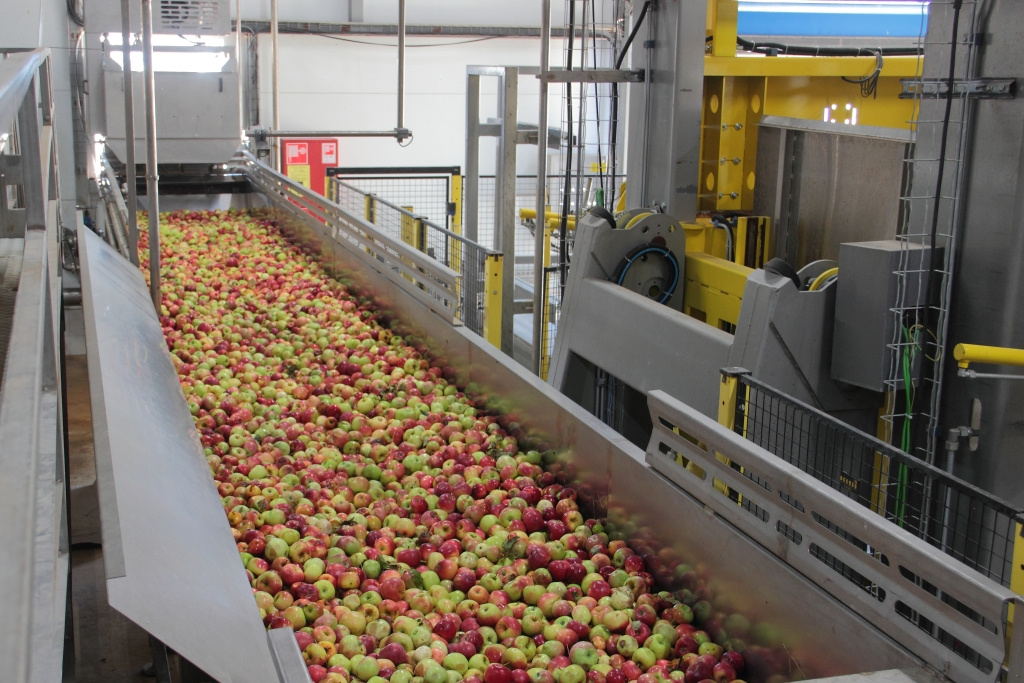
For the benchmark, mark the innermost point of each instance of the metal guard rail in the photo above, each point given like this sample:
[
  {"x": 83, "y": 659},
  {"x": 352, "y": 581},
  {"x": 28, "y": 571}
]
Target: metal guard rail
[
  {"x": 34, "y": 564},
  {"x": 962, "y": 520},
  {"x": 799, "y": 519},
  {"x": 429, "y": 281}
]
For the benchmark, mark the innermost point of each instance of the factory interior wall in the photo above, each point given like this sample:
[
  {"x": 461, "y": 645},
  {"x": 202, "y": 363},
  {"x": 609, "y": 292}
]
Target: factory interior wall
[{"x": 351, "y": 84}]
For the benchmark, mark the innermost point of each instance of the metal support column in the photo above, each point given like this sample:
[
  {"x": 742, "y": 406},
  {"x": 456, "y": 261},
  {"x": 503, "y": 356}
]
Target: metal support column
[
  {"x": 152, "y": 175},
  {"x": 130, "y": 169},
  {"x": 401, "y": 66},
  {"x": 471, "y": 198},
  {"x": 666, "y": 114},
  {"x": 505, "y": 212},
  {"x": 238, "y": 65},
  {"x": 539, "y": 233},
  {"x": 276, "y": 85}
]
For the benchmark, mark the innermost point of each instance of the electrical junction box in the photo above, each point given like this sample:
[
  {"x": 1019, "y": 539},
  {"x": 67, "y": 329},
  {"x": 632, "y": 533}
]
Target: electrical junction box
[{"x": 875, "y": 278}]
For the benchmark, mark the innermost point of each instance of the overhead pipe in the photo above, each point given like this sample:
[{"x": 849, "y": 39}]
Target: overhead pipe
[
  {"x": 130, "y": 169},
  {"x": 542, "y": 163},
  {"x": 152, "y": 176},
  {"x": 324, "y": 133},
  {"x": 426, "y": 30},
  {"x": 276, "y": 94},
  {"x": 401, "y": 68}
]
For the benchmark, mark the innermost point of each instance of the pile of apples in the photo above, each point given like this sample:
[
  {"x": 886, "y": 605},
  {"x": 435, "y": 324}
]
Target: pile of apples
[{"x": 380, "y": 513}]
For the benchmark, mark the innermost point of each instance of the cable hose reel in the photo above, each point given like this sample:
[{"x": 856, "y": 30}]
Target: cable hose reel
[{"x": 663, "y": 294}]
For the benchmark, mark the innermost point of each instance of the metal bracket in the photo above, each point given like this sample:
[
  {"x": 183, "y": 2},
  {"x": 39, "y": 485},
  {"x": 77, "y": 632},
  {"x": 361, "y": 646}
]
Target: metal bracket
[
  {"x": 978, "y": 88},
  {"x": 593, "y": 76}
]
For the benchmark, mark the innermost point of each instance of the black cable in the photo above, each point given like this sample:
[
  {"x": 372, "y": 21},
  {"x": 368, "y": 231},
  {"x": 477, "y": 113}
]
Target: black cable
[
  {"x": 770, "y": 48},
  {"x": 932, "y": 283},
  {"x": 868, "y": 84},
  {"x": 614, "y": 133},
  {"x": 632, "y": 34},
  {"x": 73, "y": 13},
  {"x": 597, "y": 101},
  {"x": 933, "y": 265},
  {"x": 563, "y": 227}
]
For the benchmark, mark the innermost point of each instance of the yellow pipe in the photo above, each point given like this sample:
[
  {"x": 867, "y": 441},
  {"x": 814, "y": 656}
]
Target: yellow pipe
[
  {"x": 966, "y": 354},
  {"x": 526, "y": 214},
  {"x": 820, "y": 280}
]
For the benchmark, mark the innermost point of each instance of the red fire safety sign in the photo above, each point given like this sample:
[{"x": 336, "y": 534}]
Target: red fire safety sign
[{"x": 305, "y": 161}]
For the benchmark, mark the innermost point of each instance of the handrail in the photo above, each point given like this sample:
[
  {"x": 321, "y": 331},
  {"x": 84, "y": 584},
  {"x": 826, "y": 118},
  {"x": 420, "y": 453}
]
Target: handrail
[{"x": 16, "y": 75}]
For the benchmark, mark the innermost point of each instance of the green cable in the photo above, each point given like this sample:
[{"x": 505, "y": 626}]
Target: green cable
[{"x": 907, "y": 362}]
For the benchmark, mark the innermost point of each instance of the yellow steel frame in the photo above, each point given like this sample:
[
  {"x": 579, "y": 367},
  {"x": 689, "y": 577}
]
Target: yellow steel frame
[
  {"x": 412, "y": 230},
  {"x": 370, "y": 209},
  {"x": 739, "y": 90},
  {"x": 713, "y": 290},
  {"x": 492, "y": 298}
]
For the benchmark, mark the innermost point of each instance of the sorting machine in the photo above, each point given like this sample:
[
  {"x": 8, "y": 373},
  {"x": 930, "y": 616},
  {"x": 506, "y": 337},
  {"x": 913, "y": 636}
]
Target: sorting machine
[{"x": 172, "y": 566}]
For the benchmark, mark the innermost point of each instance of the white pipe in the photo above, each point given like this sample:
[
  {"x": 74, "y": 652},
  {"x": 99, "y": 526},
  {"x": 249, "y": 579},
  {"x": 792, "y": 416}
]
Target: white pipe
[
  {"x": 152, "y": 175},
  {"x": 540, "y": 224},
  {"x": 238, "y": 66},
  {"x": 276, "y": 96},
  {"x": 129, "y": 132},
  {"x": 401, "y": 65}
]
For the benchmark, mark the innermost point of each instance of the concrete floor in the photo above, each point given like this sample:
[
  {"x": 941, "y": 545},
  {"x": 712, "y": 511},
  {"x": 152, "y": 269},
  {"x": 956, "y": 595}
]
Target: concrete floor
[{"x": 108, "y": 646}]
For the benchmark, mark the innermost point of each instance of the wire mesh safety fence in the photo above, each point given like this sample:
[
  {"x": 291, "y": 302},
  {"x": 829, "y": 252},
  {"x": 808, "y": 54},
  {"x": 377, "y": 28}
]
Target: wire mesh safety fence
[
  {"x": 425, "y": 191},
  {"x": 436, "y": 241},
  {"x": 958, "y": 518},
  {"x": 526, "y": 194}
]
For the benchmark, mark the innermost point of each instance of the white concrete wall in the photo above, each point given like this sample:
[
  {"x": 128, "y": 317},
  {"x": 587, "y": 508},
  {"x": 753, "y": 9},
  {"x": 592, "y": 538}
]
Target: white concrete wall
[{"x": 329, "y": 84}]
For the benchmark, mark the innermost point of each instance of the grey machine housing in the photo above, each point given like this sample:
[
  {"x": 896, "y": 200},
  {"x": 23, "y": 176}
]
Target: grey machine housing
[{"x": 783, "y": 336}]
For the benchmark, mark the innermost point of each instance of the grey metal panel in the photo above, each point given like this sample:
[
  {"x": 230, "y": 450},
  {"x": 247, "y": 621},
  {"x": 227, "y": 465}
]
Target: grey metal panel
[
  {"x": 677, "y": 353},
  {"x": 784, "y": 338},
  {"x": 197, "y": 115},
  {"x": 824, "y": 184},
  {"x": 783, "y": 495},
  {"x": 866, "y": 294},
  {"x": 665, "y": 112},
  {"x": 181, "y": 579},
  {"x": 987, "y": 305}
]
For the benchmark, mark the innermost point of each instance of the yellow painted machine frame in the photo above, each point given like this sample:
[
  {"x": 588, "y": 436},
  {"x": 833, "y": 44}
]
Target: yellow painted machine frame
[{"x": 740, "y": 89}]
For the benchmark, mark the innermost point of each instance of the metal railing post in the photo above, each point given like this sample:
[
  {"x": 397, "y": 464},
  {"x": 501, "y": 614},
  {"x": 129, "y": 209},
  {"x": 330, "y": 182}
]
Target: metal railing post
[
  {"x": 539, "y": 236},
  {"x": 152, "y": 175},
  {"x": 130, "y": 169}
]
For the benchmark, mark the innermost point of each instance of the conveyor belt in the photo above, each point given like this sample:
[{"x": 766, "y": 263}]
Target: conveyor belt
[{"x": 11, "y": 252}]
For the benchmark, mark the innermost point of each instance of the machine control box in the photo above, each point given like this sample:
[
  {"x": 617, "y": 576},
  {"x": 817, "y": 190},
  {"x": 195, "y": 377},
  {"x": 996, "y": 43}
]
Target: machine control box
[{"x": 875, "y": 279}]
